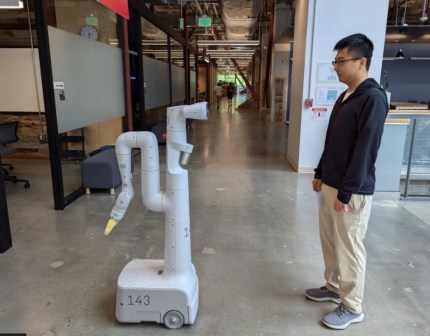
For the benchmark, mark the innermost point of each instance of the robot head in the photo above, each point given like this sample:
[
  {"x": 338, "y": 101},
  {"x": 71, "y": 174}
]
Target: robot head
[{"x": 196, "y": 111}]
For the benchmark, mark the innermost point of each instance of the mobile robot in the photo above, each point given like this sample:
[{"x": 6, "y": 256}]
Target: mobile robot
[{"x": 163, "y": 291}]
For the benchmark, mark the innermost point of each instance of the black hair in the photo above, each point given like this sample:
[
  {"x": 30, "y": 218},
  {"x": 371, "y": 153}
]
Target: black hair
[{"x": 358, "y": 45}]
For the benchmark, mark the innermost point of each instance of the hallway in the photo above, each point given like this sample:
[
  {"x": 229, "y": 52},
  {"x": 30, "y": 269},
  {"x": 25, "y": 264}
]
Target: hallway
[{"x": 255, "y": 247}]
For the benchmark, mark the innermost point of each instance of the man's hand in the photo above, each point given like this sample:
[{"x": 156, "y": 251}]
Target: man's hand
[
  {"x": 339, "y": 206},
  {"x": 316, "y": 185}
]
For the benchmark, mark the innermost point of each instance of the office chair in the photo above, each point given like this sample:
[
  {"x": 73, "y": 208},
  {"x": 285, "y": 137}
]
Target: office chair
[{"x": 7, "y": 136}]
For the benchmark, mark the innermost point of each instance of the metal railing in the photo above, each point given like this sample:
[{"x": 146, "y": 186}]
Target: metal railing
[{"x": 417, "y": 160}]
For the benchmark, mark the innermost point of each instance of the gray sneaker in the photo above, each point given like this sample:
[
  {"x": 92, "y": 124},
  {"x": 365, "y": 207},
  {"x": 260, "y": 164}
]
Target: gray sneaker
[
  {"x": 322, "y": 294},
  {"x": 341, "y": 317}
]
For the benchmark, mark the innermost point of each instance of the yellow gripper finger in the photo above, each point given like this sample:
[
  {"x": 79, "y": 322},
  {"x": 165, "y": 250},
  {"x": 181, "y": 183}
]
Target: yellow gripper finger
[{"x": 110, "y": 225}]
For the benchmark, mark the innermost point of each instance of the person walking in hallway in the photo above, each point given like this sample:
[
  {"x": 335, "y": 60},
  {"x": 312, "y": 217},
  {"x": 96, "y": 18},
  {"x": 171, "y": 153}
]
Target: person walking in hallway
[
  {"x": 218, "y": 94},
  {"x": 345, "y": 179},
  {"x": 230, "y": 94}
]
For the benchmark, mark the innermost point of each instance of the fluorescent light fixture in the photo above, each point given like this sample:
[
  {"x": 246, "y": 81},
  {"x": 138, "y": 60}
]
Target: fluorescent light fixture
[
  {"x": 233, "y": 43},
  {"x": 243, "y": 58},
  {"x": 161, "y": 51},
  {"x": 230, "y": 56},
  {"x": 221, "y": 66},
  {"x": 11, "y": 4},
  {"x": 154, "y": 42},
  {"x": 161, "y": 55},
  {"x": 420, "y": 58},
  {"x": 230, "y": 52}
]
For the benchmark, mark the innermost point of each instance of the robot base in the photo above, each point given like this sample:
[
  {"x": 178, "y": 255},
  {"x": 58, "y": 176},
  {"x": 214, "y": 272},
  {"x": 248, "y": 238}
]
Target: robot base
[{"x": 145, "y": 294}]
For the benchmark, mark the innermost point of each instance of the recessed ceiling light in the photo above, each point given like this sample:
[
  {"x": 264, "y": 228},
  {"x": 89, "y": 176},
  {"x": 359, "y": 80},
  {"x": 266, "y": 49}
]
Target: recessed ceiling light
[{"x": 11, "y": 4}]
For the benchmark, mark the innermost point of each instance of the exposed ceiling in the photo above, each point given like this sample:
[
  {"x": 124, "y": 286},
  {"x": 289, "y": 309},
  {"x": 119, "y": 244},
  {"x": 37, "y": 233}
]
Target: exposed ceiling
[
  {"x": 231, "y": 19},
  {"x": 14, "y": 26},
  {"x": 407, "y": 21}
]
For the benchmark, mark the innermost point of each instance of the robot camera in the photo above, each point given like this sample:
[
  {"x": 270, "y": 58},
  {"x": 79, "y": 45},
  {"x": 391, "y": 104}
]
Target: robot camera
[{"x": 196, "y": 111}]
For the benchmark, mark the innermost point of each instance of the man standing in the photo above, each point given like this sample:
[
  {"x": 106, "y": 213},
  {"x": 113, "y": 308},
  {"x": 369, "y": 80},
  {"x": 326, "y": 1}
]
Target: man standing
[
  {"x": 345, "y": 176},
  {"x": 218, "y": 93}
]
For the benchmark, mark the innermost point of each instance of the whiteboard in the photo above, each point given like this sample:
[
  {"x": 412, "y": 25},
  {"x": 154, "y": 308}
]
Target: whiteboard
[{"x": 17, "y": 84}]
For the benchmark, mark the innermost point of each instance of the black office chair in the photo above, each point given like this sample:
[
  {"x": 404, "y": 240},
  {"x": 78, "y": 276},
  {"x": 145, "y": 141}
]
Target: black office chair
[{"x": 7, "y": 136}]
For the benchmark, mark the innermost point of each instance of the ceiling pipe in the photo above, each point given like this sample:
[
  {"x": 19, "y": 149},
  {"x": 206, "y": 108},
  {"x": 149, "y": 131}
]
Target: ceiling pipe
[
  {"x": 198, "y": 7},
  {"x": 424, "y": 15},
  {"x": 404, "y": 14}
]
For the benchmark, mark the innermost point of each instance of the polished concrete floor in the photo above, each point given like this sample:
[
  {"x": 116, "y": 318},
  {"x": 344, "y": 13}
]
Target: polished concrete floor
[{"x": 255, "y": 246}]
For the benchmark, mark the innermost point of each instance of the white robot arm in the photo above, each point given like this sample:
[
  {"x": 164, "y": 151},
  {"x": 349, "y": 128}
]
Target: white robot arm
[
  {"x": 178, "y": 152},
  {"x": 151, "y": 193}
]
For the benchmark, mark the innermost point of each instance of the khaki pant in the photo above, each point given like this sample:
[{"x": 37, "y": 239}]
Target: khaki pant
[{"x": 344, "y": 254}]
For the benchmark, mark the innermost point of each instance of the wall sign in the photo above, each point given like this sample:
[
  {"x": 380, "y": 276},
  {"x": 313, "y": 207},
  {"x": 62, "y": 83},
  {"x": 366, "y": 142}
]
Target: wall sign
[
  {"x": 319, "y": 112},
  {"x": 326, "y": 73},
  {"x": 327, "y": 95},
  {"x": 118, "y": 6}
]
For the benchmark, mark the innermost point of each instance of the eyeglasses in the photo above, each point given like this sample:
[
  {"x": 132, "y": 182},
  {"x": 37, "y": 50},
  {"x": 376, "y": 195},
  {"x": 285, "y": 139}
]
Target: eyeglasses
[{"x": 340, "y": 62}]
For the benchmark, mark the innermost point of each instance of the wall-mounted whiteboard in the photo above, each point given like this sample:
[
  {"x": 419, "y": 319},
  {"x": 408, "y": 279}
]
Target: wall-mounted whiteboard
[
  {"x": 17, "y": 84},
  {"x": 93, "y": 80}
]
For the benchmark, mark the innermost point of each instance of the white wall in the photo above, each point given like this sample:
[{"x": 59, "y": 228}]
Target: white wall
[
  {"x": 17, "y": 84},
  {"x": 319, "y": 25},
  {"x": 302, "y": 34}
]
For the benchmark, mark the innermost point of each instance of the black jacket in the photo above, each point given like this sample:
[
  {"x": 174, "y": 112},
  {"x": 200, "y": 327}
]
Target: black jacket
[{"x": 352, "y": 141}]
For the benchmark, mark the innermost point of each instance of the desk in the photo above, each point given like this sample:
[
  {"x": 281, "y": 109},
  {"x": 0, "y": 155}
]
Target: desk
[
  {"x": 408, "y": 106},
  {"x": 390, "y": 156}
]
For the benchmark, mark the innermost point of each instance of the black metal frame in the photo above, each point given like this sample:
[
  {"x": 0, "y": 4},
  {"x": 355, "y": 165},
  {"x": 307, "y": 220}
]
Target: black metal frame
[
  {"x": 134, "y": 29},
  {"x": 5, "y": 234},
  {"x": 50, "y": 110},
  {"x": 123, "y": 45},
  {"x": 137, "y": 10},
  {"x": 169, "y": 60}
]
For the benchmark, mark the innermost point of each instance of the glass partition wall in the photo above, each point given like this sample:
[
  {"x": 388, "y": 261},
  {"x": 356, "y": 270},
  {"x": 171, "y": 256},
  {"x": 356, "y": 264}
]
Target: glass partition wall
[
  {"x": 165, "y": 71},
  {"x": 80, "y": 53},
  {"x": 93, "y": 31},
  {"x": 82, "y": 76}
]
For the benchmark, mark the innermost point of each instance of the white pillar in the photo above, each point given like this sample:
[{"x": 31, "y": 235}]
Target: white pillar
[{"x": 319, "y": 25}]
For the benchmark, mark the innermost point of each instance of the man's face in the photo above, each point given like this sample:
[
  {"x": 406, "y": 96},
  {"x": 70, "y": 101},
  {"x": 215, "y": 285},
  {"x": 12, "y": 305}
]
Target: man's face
[{"x": 347, "y": 66}]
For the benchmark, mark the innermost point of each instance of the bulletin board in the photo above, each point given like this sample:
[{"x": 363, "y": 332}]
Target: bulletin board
[
  {"x": 326, "y": 73},
  {"x": 327, "y": 95}
]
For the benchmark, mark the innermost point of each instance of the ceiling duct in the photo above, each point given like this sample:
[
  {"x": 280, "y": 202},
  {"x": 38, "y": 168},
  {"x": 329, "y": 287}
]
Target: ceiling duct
[{"x": 240, "y": 17}]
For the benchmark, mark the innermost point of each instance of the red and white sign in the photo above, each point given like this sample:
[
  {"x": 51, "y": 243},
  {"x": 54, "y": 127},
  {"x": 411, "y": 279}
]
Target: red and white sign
[
  {"x": 319, "y": 112},
  {"x": 319, "y": 109},
  {"x": 118, "y": 6}
]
